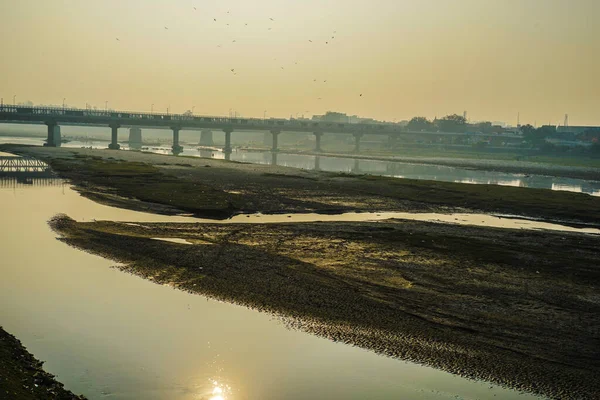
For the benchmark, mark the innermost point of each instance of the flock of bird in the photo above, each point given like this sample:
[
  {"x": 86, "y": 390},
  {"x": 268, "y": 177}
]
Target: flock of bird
[{"x": 234, "y": 72}]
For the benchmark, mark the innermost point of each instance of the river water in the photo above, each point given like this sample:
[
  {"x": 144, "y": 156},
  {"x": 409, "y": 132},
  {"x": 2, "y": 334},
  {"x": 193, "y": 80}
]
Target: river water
[
  {"x": 374, "y": 167},
  {"x": 107, "y": 334}
]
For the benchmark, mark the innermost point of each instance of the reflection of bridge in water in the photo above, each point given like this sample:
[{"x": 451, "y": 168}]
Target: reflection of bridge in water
[
  {"x": 25, "y": 181},
  {"x": 15, "y": 171}
]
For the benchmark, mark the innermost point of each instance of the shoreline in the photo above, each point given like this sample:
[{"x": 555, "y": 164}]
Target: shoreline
[{"x": 22, "y": 376}]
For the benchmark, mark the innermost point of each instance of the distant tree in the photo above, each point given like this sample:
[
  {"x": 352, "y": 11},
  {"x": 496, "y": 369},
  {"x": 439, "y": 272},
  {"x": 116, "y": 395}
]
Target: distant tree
[
  {"x": 527, "y": 130},
  {"x": 419, "y": 124},
  {"x": 497, "y": 129},
  {"x": 484, "y": 127},
  {"x": 452, "y": 123},
  {"x": 589, "y": 135},
  {"x": 595, "y": 149},
  {"x": 537, "y": 137}
]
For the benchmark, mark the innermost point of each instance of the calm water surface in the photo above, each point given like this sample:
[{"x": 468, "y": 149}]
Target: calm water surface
[{"x": 110, "y": 335}]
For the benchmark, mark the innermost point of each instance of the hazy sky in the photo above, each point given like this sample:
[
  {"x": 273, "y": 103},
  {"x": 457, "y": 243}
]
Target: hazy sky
[{"x": 493, "y": 58}]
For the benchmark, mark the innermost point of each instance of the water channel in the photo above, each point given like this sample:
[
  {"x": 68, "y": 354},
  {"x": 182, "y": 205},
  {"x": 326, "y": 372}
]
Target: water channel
[
  {"x": 363, "y": 166},
  {"x": 107, "y": 334}
]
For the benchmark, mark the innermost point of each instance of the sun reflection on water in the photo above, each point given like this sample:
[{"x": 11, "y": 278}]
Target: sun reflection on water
[{"x": 219, "y": 391}]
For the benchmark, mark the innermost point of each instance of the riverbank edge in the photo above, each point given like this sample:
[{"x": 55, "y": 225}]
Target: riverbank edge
[
  {"x": 171, "y": 185},
  {"x": 22, "y": 376},
  {"x": 443, "y": 345}
]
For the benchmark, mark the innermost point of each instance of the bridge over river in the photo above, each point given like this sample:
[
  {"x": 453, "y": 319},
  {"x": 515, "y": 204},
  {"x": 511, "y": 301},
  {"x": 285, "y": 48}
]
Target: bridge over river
[{"x": 53, "y": 117}]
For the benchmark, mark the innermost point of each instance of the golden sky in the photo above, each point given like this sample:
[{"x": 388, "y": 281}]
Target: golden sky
[{"x": 493, "y": 58}]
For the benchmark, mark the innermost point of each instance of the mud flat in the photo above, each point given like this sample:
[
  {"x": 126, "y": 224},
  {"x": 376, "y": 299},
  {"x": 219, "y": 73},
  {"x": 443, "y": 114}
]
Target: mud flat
[
  {"x": 22, "y": 376},
  {"x": 505, "y": 306},
  {"x": 220, "y": 189}
]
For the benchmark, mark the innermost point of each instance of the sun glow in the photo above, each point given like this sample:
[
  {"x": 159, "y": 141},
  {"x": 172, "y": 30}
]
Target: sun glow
[{"x": 219, "y": 391}]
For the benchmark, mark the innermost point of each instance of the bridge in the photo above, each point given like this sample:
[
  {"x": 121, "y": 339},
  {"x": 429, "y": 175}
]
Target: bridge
[{"x": 54, "y": 116}]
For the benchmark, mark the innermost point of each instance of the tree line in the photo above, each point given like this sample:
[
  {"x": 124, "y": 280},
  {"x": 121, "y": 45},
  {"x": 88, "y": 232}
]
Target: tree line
[{"x": 451, "y": 123}]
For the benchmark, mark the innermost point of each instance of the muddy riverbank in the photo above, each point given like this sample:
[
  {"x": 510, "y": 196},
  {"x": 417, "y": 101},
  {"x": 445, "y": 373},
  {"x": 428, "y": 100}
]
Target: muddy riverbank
[
  {"x": 220, "y": 189},
  {"x": 505, "y": 306},
  {"x": 22, "y": 376}
]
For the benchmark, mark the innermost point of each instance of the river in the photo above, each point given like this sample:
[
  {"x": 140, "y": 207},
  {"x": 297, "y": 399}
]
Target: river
[
  {"x": 107, "y": 334},
  {"x": 363, "y": 166}
]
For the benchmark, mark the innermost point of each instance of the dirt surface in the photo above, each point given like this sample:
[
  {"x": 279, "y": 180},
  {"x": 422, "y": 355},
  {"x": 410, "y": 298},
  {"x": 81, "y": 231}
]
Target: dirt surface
[
  {"x": 506, "y": 306},
  {"x": 219, "y": 189},
  {"x": 22, "y": 376}
]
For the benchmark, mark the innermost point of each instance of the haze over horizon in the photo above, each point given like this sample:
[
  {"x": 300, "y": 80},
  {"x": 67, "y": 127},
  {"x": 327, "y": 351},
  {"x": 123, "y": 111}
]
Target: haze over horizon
[{"x": 406, "y": 58}]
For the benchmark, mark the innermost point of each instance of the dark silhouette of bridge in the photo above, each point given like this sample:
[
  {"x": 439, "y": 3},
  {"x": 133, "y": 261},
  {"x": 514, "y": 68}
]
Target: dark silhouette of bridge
[{"x": 54, "y": 116}]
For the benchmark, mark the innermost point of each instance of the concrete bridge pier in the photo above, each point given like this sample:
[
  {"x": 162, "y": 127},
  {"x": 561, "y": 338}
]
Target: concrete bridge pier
[
  {"x": 318, "y": 136},
  {"x": 135, "y": 138},
  {"x": 114, "y": 144},
  {"x": 206, "y": 138},
  {"x": 54, "y": 138},
  {"x": 317, "y": 163},
  {"x": 357, "y": 137},
  {"x": 273, "y": 158},
  {"x": 275, "y": 133},
  {"x": 227, "y": 149},
  {"x": 356, "y": 166},
  {"x": 177, "y": 149}
]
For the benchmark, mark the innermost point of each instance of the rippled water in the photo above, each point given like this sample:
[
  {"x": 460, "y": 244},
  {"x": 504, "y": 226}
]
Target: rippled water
[
  {"x": 374, "y": 167},
  {"x": 107, "y": 334}
]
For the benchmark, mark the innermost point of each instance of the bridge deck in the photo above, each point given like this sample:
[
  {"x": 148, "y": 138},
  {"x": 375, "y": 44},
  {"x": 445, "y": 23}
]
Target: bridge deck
[{"x": 74, "y": 116}]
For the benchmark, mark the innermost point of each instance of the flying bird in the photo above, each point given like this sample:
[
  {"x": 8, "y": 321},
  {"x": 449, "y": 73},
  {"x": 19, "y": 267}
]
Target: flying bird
[
  {"x": 166, "y": 28},
  {"x": 326, "y": 42},
  {"x": 194, "y": 8},
  {"x": 310, "y": 40},
  {"x": 214, "y": 19},
  {"x": 361, "y": 95},
  {"x": 271, "y": 19},
  {"x": 233, "y": 41},
  {"x": 118, "y": 40}
]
